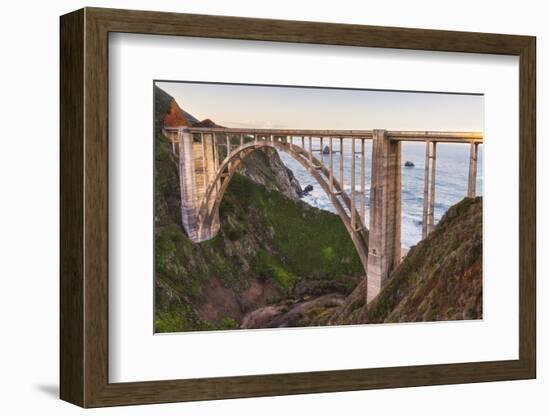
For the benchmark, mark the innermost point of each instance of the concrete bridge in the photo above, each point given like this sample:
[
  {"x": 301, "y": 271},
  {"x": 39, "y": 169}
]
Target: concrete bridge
[{"x": 209, "y": 157}]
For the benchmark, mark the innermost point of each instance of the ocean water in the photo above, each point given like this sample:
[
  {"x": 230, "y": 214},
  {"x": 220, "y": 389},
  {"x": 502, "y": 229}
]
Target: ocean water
[{"x": 450, "y": 185}]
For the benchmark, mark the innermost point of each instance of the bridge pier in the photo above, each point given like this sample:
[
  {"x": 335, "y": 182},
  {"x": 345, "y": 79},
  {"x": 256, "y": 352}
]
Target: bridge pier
[
  {"x": 196, "y": 165},
  {"x": 385, "y": 211},
  {"x": 187, "y": 185},
  {"x": 472, "y": 171}
]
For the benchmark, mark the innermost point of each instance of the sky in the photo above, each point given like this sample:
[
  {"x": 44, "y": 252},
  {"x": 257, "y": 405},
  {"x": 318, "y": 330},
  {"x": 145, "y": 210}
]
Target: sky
[{"x": 253, "y": 106}]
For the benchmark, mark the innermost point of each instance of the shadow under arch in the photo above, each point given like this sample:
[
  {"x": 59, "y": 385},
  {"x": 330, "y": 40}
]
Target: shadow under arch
[{"x": 210, "y": 203}]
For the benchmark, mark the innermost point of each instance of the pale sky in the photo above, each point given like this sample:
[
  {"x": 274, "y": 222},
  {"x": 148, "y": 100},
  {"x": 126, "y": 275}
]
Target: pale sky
[{"x": 240, "y": 105}]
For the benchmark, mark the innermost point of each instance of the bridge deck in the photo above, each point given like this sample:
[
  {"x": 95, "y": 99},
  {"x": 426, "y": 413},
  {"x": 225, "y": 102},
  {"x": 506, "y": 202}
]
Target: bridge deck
[{"x": 420, "y": 136}]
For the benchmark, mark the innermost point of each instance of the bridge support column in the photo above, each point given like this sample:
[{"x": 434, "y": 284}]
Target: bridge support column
[
  {"x": 196, "y": 167},
  {"x": 472, "y": 171},
  {"x": 187, "y": 178},
  {"x": 385, "y": 212},
  {"x": 210, "y": 165}
]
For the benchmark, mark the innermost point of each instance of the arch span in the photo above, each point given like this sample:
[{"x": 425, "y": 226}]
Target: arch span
[{"x": 209, "y": 206}]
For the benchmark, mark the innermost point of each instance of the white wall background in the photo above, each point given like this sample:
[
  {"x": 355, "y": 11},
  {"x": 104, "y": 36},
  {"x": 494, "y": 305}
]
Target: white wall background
[{"x": 29, "y": 207}]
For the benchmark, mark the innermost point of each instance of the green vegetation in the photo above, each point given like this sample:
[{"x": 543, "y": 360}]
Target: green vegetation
[
  {"x": 263, "y": 236},
  {"x": 268, "y": 267},
  {"x": 306, "y": 241},
  {"x": 182, "y": 318}
]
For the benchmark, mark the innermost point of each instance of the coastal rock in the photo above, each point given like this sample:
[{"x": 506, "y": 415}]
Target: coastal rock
[
  {"x": 292, "y": 314},
  {"x": 306, "y": 190},
  {"x": 326, "y": 150},
  {"x": 294, "y": 183},
  {"x": 409, "y": 164}
]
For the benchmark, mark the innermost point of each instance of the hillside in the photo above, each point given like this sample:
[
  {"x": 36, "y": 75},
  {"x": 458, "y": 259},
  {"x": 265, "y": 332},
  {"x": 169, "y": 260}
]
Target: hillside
[
  {"x": 440, "y": 279},
  {"x": 271, "y": 248}
]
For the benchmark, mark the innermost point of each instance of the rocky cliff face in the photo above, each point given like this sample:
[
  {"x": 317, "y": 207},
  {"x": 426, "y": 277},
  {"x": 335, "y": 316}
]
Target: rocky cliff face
[
  {"x": 175, "y": 117},
  {"x": 266, "y": 168}
]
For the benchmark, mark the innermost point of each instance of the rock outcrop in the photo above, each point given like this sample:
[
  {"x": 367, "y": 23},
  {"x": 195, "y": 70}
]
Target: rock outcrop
[
  {"x": 266, "y": 168},
  {"x": 292, "y": 314},
  {"x": 306, "y": 191},
  {"x": 206, "y": 123}
]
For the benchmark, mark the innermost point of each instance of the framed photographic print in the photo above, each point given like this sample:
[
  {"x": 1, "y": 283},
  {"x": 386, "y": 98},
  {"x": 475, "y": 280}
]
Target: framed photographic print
[{"x": 255, "y": 207}]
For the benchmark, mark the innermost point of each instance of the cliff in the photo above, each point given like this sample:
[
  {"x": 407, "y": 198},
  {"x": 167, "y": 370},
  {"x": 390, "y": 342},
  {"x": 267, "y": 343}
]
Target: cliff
[{"x": 266, "y": 168}]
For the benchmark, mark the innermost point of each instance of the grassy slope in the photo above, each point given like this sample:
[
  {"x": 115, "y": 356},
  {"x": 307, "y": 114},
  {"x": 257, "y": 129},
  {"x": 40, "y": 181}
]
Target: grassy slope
[
  {"x": 264, "y": 237},
  {"x": 302, "y": 240},
  {"x": 440, "y": 279}
]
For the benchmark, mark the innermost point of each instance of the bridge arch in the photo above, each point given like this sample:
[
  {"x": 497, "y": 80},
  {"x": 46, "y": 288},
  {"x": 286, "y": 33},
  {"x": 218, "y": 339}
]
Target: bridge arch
[{"x": 209, "y": 207}]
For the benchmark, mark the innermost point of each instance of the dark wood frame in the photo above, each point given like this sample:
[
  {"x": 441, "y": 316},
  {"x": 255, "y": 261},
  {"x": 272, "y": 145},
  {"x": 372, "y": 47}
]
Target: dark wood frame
[{"x": 84, "y": 207}]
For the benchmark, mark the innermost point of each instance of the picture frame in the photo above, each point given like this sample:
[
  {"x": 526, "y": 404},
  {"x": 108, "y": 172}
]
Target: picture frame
[{"x": 84, "y": 218}]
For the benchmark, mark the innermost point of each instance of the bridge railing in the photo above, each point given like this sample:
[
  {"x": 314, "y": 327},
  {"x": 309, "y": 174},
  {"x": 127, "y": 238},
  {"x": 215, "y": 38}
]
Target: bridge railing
[{"x": 431, "y": 138}]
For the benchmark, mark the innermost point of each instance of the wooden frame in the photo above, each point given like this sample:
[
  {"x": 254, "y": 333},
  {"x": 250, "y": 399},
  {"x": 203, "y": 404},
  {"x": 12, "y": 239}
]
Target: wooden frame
[{"x": 84, "y": 207}]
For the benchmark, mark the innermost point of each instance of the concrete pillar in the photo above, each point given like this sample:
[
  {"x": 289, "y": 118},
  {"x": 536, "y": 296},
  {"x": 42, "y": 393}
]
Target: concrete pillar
[
  {"x": 472, "y": 171},
  {"x": 197, "y": 168},
  {"x": 331, "y": 166},
  {"x": 173, "y": 137},
  {"x": 352, "y": 184},
  {"x": 431, "y": 210},
  {"x": 363, "y": 199},
  {"x": 342, "y": 163},
  {"x": 426, "y": 191},
  {"x": 385, "y": 212},
  {"x": 187, "y": 185}
]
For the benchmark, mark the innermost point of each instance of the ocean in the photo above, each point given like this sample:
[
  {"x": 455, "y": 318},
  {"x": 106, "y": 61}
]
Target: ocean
[{"x": 450, "y": 185}]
